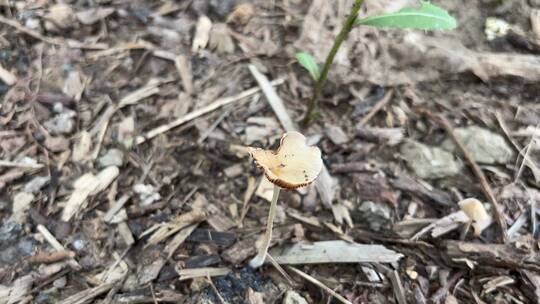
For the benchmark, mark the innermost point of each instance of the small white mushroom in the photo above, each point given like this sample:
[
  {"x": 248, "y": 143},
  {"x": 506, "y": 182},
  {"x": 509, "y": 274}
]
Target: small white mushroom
[
  {"x": 477, "y": 213},
  {"x": 293, "y": 165}
]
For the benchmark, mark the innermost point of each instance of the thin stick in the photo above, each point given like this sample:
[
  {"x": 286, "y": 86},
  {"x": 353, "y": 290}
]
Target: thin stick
[
  {"x": 153, "y": 293},
  {"x": 199, "y": 112},
  {"x": 488, "y": 192},
  {"x": 218, "y": 295},
  {"x": 258, "y": 260},
  {"x": 56, "y": 245},
  {"x": 273, "y": 99},
  {"x": 319, "y": 284},
  {"x": 380, "y": 104},
  {"x": 535, "y": 170},
  {"x": 347, "y": 26},
  {"x": 280, "y": 269}
]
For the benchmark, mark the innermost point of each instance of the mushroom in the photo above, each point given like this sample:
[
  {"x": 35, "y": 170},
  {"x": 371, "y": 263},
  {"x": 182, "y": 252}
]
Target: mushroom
[
  {"x": 293, "y": 165},
  {"x": 475, "y": 210}
]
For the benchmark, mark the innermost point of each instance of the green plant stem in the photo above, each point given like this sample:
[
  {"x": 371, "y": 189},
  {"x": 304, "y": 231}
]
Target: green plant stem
[
  {"x": 347, "y": 26},
  {"x": 258, "y": 260}
]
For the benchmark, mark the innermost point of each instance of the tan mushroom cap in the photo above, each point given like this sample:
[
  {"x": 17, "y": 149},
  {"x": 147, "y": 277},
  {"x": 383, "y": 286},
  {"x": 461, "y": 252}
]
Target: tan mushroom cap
[
  {"x": 293, "y": 165},
  {"x": 477, "y": 213}
]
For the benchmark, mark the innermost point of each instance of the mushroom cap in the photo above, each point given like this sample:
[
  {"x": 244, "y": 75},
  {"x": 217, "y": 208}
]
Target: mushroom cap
[
  {"x": 293, "y": 165},
  {"x": 477, "y": 213}
]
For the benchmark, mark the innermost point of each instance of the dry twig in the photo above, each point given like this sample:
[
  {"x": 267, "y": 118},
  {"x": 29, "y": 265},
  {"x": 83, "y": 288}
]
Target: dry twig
[
  {"x": 380, "y": 104},
  {"x": 199, "y": 112},
  {"x": 319, "y": 284}
]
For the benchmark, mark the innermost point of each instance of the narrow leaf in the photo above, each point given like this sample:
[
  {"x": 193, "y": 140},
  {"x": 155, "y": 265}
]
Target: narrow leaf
[
  {"x": 308, "y": 62},
  {"x": 427, "y": 17}
]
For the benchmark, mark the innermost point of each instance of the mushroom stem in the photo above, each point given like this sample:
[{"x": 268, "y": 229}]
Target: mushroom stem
[{"x": 258, "y": 260}]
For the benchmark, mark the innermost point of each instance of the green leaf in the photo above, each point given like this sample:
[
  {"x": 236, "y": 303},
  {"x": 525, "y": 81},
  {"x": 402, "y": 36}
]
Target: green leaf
[
  {"x": 428, "y": 17},
  {"x": 308, "y": 62}
]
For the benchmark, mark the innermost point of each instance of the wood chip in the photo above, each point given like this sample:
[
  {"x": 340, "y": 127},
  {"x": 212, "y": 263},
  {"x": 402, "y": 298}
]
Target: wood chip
[
  {"x": 182, "y": 66},
  {"x": 190, "y": 273},
  {"x": 335, "y": 134},
  {"x": 202, "y": 34},
  {"x": 535, "y": 22},
  {"x": 151, "y": 88},
  {"x": 423, "y": 190},
  {"x": 7, "y": 77},
  {"x": 125, "y": 233},
  {"x": 81, "y": 150},
  {"x": 212, "y": 237},
  {"x": 18, "y": 291},
  {"x": 443, "y": 225},
  {"x": 334, "y": 252},
  {"x": 85, "y": 186},
  {"x": 234, "y": 170},
  {"x": 497, "y": 282},
  {"x": 116, "y": 271},
  {"x": 165, "y": 230},
  {"x": 178, "y": 239}
]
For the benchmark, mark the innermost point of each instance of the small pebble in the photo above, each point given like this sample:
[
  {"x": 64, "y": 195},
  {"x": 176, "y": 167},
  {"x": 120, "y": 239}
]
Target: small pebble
[
  {"x": 60, "y": 283},
  {"x": 113, "y": 157}
]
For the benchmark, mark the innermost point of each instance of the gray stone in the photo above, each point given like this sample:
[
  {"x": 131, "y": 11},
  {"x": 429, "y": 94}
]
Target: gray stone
[
  {"x": 43, "y": 298},
  {"x": 485, "y": 146},
  {"x": 62, "y": 123},
  {"x": 429, "y": 162},
  {"x": 26, "y": 246},
  {"x": 113, "y": 157},
  {"x": 9, "y": 232},
  {"x": 376, "y": 215},
  {"x": 60, "y": 283},
  {"x": 9, "y": 255},
  {"x": 79, "y": 243},
  {"x": 147, "y": 194},
  {"x": 292, "y": 297},
  {"x": 14, "y": 251}
]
